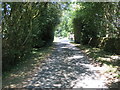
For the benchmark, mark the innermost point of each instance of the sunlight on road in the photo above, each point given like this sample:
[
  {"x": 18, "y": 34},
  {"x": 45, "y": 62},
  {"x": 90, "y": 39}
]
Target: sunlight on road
[
  {"x": 61, "y": 39},
  {"x": 68, "y": 67},
  {"x": 83, "y": 80}
]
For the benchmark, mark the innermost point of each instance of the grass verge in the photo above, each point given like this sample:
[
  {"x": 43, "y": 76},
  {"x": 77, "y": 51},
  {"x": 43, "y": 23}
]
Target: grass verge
[
  {"x": 21, "y": 74},
  {"x": 100, "y": 57}
]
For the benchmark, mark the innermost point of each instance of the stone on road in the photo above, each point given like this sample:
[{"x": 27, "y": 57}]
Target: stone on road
[{"x": 67, "y": 67}]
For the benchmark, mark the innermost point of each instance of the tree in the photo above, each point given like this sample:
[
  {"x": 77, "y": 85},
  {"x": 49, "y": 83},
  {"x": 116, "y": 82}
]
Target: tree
[{"x": 27, "y": 25}]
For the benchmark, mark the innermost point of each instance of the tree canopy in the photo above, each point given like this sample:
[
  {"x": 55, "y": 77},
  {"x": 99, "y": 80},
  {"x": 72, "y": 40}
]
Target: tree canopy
[{"x": 28, "y": 25}]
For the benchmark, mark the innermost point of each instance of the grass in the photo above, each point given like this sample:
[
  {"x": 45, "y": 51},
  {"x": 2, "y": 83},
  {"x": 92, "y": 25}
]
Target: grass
[
  {"x": 101, "y": 57},
  {"x": 21, "y": 73}
]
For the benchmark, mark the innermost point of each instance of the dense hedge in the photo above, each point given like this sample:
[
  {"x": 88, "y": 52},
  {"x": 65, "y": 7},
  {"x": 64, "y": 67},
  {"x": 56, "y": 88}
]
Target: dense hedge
[
  {"x": 94, "y": 21},
  {"x": 77, "y": 25},
  {"x": 26, "y": 25},
  {"x": 112, "y": 45},
  {"x": 107, "y": 44}
]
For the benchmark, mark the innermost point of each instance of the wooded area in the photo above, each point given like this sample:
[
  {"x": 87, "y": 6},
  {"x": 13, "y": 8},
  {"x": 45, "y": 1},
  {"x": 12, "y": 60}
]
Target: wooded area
[
  {"x": 98, "y": 25},
  {"x": 27, "y": 25},
  {"x": 32, "y": 25}
]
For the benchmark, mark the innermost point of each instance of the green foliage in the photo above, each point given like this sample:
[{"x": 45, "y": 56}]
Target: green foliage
[
  {"x": 65, "y": 26},
  {"x": 112, "y": 45},
  {"x": 95, "y": 20},
  {"x": 25, "y": 26}
]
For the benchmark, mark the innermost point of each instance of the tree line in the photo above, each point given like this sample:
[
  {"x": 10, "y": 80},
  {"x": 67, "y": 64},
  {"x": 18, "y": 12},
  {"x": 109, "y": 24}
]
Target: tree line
[
  {"x": 25, "y": 26},
  {"x": 28, "y": 25},
  {"x": 97, "y": 24},
  {"x": 93, "y": 23}
]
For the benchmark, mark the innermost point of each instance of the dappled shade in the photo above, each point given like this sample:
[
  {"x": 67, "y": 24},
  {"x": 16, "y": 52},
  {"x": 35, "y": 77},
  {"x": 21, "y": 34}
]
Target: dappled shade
[
  {"x": 29, "y": 29},
  {"x": 67, "y": 67}
]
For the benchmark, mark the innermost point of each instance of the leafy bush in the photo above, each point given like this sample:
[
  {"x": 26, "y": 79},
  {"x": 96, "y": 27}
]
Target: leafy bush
[
  {"x": 112, "y": 45},
  {"x": 26, "y": 25}
]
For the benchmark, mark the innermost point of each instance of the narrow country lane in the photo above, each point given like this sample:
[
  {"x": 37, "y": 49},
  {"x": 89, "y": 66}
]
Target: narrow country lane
[
  {"x": 67, "y": 67},
  {"x": 63, "y": 44}
]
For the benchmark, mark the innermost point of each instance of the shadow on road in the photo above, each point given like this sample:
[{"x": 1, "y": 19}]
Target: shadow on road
[{"x": 67, "y": 67}]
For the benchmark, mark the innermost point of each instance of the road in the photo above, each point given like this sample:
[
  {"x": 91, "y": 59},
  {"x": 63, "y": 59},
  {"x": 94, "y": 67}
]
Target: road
[{"x": 67, "y": 67}]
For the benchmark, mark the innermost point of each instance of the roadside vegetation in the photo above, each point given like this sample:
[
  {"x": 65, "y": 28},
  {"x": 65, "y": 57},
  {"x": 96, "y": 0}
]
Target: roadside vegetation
[
  {"x": 29, "y": 28},
  {"x": 21, "y": 73},
  {"x": 99, "y": 57}
]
